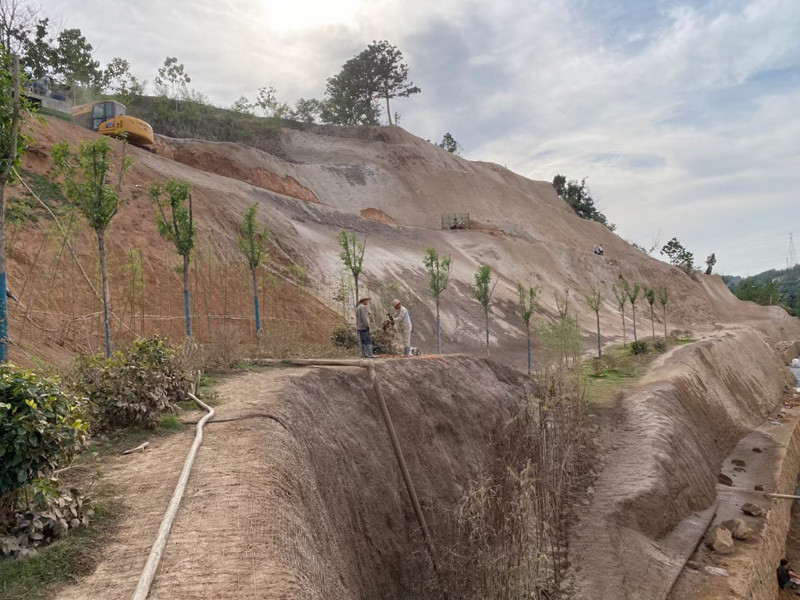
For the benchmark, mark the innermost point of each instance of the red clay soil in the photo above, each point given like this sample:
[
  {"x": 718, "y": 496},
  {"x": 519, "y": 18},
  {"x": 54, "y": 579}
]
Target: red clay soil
[
  {"x": 373, "y": 214},
  {"x": 220, "y": 164}
]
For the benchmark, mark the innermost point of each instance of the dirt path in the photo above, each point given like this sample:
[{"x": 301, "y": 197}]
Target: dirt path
[{"x": 228, "y": 516}]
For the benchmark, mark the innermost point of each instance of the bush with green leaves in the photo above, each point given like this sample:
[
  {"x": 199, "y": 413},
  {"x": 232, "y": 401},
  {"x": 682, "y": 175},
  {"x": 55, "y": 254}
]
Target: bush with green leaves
[
  {"x": 345, "y": 336},
  {"x": 41, "y": 426},
  {"x": 132, "y": 387},
  {"x": 660, "y": 345},
  {"x": 47, "y": 515},
  {"x": 640, "y": 347}
]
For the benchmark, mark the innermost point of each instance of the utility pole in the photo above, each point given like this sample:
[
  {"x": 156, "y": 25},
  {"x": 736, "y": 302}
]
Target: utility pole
[{"x": 791, "y": 260}]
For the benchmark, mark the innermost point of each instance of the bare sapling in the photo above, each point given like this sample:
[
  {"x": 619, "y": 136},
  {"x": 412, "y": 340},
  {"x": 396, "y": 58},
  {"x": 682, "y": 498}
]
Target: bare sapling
[
  {"x": 663, "y": 300},
  {"x": 595, "y": 302},
  {"x": 176, "y": 225},
  {"x": 650, "y": 296},
  {"x": 86, "y": 170},
  {"x": 633, "y": 295},
  {"x": 352, "y": 255},
  {"x": 621, "y": 294},
  {"x": 483, "y": 293},
  {"x": 562, "y": 303},
  {"x": 252, "y": 243},
  {"x": 528, "y": 304},
  {"x": 12, "y": 145},
  {"x": 439, "y": 271}
]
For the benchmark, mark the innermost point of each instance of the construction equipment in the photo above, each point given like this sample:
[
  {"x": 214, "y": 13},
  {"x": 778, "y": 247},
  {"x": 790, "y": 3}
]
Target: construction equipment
[
  {"x": 108, "y": 118},
  {"x": 49, "y": 98}
]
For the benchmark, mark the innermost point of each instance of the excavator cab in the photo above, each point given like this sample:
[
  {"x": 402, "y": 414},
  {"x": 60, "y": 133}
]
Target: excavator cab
[{"x": 108, "y": 117}]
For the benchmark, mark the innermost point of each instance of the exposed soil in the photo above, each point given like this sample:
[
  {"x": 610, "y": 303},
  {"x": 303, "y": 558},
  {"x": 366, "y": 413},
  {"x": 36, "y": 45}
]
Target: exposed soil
[
  {"x": 319, "y": 183},
  {"x": 373, "y": 214}
]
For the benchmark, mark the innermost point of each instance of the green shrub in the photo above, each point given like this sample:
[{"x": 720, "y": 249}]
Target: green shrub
[
  {"x": 132, "y": 387},
  {"x": 40, "y": 426},
  {"x": 640, "y": 347},
  {"x": 46, "y": 517},
  {"x": 344, "y": 336},
  {"x": 660, "y": 345}
]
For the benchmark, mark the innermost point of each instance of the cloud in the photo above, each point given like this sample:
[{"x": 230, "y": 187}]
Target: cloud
[{"x": 682, "y": 113}]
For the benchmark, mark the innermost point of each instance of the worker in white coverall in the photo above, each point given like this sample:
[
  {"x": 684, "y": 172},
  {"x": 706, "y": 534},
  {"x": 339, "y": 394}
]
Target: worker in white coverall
[{"x": 402, "y": 325}]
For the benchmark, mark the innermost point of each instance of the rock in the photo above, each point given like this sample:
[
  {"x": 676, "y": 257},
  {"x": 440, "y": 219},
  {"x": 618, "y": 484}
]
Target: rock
[
  {"x": 738, "y": 529},
  {"x": 757, "y": 449},
  {"x": 738, "y": 462},
  {"x": 720, "y": 540},
  {"x": 719, "y": 572},
  {"x": 754, "y": 510},
  {"x": 759, "y": 487},
  {"x": 724, "y": 479},
  {"x": 695, "y": 566}
]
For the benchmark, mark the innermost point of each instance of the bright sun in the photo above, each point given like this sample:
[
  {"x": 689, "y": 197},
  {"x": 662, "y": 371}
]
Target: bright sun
[{"x": 306, "y": 14}]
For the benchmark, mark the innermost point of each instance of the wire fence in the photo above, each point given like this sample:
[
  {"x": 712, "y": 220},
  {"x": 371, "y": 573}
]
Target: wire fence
[{"x": 56, "y": 280}]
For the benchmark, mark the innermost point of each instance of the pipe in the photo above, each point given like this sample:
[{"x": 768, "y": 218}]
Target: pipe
[
  {"x": 401, "y": 461},
  {"x": 398, "y": 452},
  {"x": 149, "y": 572}
]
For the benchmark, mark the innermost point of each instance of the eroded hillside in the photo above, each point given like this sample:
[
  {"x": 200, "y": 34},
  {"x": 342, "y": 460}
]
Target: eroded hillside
[{"x": 383, "y": 183}]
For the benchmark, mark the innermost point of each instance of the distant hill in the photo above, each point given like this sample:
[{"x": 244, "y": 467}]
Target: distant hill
[{"x": 773, "y": 287}]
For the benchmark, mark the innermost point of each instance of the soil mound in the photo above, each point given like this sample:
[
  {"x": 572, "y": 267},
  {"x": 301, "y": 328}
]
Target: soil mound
[{"x": 373, "y": 214}]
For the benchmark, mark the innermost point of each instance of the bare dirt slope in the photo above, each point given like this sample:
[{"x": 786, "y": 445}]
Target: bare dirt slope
[{"x": 391, "y": 188}]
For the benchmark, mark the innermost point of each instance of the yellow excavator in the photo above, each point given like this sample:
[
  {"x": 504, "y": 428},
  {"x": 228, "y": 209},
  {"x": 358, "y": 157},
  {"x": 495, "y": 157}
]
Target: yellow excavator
[{"x": 108, "y": 117}]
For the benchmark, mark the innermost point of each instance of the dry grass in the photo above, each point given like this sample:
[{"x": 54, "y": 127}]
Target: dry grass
[{"x": 507, "y": 537}]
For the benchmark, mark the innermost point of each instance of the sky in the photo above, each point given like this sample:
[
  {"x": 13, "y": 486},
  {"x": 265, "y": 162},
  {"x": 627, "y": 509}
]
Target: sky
[{"x": 682, "y": 115}]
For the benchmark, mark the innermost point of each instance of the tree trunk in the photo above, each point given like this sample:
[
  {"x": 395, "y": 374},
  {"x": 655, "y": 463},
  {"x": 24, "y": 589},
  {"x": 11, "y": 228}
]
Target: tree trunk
[
  {"x": 12, "y": 155},
  {"x": 624, "y": 341},
  {"x": 186, "y": 300},
  {"x": 438, "y": 329},
  {"x": 355, "y": 278},
  {"x": 599, "y": 344},
  {"x": 487, "y": 334},
  {"x": 653, "y": 321},
  {"x": 255, "y": 302},
  {"x": 633, "y": 309},
  {"x": 3, "y": 284},
  {"x": 388, "y": 110},
  {"x": 665, "y": 321},
  {"x": 101, "y": 246},
  {"x": 528, "y": 327}
]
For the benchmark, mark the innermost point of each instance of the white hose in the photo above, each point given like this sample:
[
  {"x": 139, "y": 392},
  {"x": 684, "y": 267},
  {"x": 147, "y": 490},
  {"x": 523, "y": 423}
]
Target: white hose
[{"x": 149, "y": 572}]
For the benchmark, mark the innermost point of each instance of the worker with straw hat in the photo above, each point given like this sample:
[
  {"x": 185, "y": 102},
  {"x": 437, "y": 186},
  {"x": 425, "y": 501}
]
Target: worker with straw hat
[{"x": 362, "y": 325}]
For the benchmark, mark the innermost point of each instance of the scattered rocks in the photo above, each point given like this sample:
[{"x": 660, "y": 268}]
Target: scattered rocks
[
  {"x": 754, "y": 510},
  {"x": 757, "y": 449},
  {"x": 720, "y": 540},
  {"x": 738, "y": 529},
  {"x": 717, "y": 571}
]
